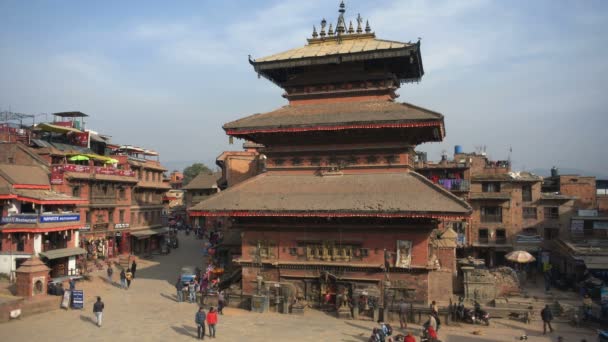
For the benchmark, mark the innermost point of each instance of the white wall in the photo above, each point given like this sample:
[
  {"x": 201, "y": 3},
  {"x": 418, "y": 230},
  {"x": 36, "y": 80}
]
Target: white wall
[
  {"x": 37, "y": 244},
  {"x": 72, "y": 265},
  {"x": 7, "y": 262}
]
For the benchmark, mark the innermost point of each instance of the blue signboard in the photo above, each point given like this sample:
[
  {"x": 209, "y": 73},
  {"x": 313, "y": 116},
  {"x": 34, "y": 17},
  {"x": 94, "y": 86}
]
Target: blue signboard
[
  {"x": 77, "y": 299},
  {"x": 59, "y": 218},
  {"x": 20, "y": 219}
]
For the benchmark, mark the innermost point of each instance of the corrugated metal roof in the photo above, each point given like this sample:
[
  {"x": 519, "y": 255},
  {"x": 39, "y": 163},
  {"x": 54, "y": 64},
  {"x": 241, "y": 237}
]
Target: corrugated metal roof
[
  {"x": 62, "y": 253},
  {"x": 334, "y": 46}
]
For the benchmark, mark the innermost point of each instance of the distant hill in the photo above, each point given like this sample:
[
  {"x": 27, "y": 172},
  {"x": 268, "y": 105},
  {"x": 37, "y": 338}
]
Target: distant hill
[{"x": 570, "y": 171}]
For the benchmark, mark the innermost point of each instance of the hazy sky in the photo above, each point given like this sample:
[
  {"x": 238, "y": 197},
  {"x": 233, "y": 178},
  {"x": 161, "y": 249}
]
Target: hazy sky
[{"x": 530, "y": 75}]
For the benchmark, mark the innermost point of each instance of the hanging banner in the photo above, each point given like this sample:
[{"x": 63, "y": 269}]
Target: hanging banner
[
  {"x": 404, "y": 254},
  {"x": 57, "y": 175},
  {"x": 82, "y": 139}
]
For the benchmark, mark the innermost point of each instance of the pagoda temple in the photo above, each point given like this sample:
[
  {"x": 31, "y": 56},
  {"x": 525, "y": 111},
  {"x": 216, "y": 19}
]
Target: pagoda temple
[{"x": 339, "y": 215}]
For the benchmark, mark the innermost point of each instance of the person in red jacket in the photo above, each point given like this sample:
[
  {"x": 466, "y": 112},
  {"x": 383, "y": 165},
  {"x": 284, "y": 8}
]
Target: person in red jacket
[
  {"x": 212, "y": 321},
  {"x": 432, "y": 334},
  {"x": 409, "y": 337}
]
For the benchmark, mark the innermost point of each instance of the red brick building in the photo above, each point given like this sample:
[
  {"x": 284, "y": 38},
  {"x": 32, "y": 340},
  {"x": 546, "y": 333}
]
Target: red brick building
[
  {"x": 510, "y": 209},
  {"x": 37, "y": 221},
  {"x": 121, "y": 187},
  {"x": 339, "y": 209}
]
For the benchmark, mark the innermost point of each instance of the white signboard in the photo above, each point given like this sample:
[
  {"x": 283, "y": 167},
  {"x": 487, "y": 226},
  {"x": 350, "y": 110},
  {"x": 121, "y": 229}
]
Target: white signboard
[
  {"x": 587, "y": 212},
  {"x": 600, "y": 225}
]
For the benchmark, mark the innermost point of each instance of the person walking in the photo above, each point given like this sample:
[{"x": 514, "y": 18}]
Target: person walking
[
  {"x": 192, "y": 292},
  {"x": 403, "y": 314},
  {"x": 434, "y": 308},
  {"x": 123, "y": 279},
  {"x": 221, "y": 302},
  {"x": 212, "y": 321},
  {"x": 110, "y": 272},
  {"x": 133, "y": 269},
  {"x": 129, "y": 277},
  {"x": 199, "y": 319},
  {"x": 178, "y": 288},
  {"x": 547, "y": 317},
  {"x": 98, "y": 310}
]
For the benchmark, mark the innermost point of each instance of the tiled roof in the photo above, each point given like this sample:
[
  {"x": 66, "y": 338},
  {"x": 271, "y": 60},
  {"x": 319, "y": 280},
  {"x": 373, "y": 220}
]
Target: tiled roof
[
  {"x": 147, "y": 165},
  {"x": 24, "y": 174},
  {"x": 45, "y": 195},
  {"x": 204, "y": 181},
  {"x": 404, "y": 193},
  {"x": 334, "y": 114},
  {"x": 153, "y": 185}
]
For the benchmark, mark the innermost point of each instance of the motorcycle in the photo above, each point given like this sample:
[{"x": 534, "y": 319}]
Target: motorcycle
[
  {"x": 475, "y": 316},
  {"x": 602, "y": 335}
]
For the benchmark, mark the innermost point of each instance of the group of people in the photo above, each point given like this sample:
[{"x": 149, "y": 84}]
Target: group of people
[
  {"x": 126, "y": 276},
  {"x": 210, "y": 318}
]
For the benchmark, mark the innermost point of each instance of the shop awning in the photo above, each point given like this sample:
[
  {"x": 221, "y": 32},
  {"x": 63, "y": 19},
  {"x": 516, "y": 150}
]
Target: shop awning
[
  {"x": 596, "y": 262},
  {"x": 144, "y": 233},
  {"x": 62, "y": 253}
]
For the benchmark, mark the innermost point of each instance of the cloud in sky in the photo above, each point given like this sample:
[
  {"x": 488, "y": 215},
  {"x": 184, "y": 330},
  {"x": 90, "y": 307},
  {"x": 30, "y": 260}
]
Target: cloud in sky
[{"x": 520, "y": 74}]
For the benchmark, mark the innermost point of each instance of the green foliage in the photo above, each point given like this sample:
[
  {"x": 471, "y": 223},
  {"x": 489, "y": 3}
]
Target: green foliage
[{"x": 193, "y": 170}]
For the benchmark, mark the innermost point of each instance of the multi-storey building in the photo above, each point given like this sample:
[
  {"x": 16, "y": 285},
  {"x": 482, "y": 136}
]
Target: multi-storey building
[
  {"x": 121, "y": 187},
  {"x": 37, "y": 221},
  {"x": 146, "y": 222},
  {"x": 339, "y": 211},
  {"x": 510, "y": 212}
]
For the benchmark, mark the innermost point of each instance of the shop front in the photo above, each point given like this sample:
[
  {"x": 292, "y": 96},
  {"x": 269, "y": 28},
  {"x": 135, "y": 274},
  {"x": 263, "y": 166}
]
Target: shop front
[
  {"x": 62, "y": 261},
  {"x": 147, "y": 241}
]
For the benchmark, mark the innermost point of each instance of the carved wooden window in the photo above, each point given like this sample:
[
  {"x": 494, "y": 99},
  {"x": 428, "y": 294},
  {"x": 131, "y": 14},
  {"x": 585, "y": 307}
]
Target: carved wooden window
[
  {"x": 391, "y": 159},
  {"x": 279, "y": 161},
  {"x": 296, "y": 161},
  {"x": 315, "y": 161},
  {"x": 293, "y": 251},
  {"x": 371, "y": 159}
]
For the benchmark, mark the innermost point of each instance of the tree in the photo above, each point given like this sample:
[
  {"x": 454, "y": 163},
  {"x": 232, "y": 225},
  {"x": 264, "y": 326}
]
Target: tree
[{"x": 193, "y": 170}]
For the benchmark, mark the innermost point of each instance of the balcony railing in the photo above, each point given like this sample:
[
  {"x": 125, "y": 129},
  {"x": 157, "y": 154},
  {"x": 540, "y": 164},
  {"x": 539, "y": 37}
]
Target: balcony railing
[
  {"x": 101, "y": 170},
  {"x": 453, "y": 184},
  {"x": 491, "y": 218},
  {"x": 496, "y": 241}
]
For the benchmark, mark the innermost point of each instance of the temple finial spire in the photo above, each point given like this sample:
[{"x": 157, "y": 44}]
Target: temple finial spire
[
  {"x": 368, "y": 29},
  {"x": 350, "y": 28},
  {"x": 341, "y": 25},
  {"x": 314, "y": 31},
  {"x": 330, "y": 32},
  {"x": 359, "y": 23},
  {"x": 323, "y": 23}
]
